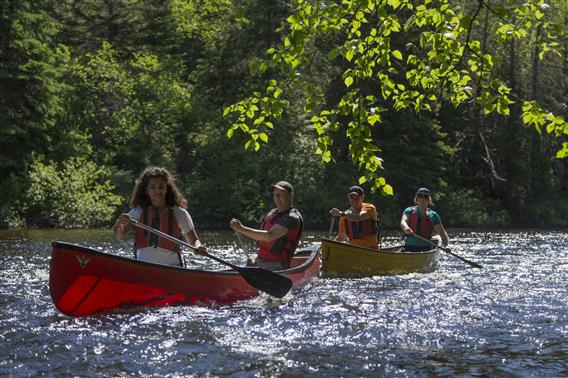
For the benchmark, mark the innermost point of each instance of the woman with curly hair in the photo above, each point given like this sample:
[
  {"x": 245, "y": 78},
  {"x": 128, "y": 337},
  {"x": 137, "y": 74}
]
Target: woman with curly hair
[{"x": 157, "y": 202}]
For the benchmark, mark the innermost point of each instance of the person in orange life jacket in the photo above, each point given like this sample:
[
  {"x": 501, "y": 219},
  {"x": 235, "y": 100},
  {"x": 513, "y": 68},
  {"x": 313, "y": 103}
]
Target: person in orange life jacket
[
  {"x": 280, "y": 232},
  {"x": 357, "y": 224},
  {"x": 157, "y": 202},
  {"x": 423, "y": 221}
]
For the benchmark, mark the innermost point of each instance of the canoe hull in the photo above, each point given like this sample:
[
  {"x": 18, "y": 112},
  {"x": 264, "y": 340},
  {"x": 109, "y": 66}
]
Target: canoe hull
[
  {"x": 83, "y": 281},
  {"x": 342, "y": 259}
]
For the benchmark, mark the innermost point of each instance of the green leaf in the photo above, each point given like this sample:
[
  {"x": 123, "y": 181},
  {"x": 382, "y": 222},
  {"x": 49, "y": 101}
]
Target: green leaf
[
  {"x": 397, "y": 54},
  {"x": 348, "y": 81},
  {"x": 373, "y": 118},
  {"x": 550, "y": 128},
  {"x": 394, "y": 3},
  {"x": 333, "y": 54}
]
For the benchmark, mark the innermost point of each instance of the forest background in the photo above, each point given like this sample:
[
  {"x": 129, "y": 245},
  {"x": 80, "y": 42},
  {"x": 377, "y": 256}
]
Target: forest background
[{"x": 93, "y": 91}]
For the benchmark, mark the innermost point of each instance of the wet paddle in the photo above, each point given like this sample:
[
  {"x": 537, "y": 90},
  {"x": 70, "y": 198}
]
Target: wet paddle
[
  {"x": 331, "y": 227},
  {"x": 448, "y": 250},
  {"x": 264, "y": 280},
  {"x": 242, "y": 244}
]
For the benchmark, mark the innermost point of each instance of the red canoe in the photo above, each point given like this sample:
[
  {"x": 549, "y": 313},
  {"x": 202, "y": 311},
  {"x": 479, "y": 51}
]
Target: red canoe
[{"x": 83, "y": 281}]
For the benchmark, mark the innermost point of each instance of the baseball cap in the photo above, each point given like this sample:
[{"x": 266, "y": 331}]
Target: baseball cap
[
  {"x": 356, "y": 190},
  {"x": 282, "y": 185}
]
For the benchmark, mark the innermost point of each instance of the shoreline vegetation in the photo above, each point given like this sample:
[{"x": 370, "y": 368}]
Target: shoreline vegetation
[
  {"x": 389, "y": 233},
  {"x": 466, "y": 98}
]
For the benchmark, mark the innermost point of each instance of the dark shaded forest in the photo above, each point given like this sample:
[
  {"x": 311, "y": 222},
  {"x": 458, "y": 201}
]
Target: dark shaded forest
[{"x": 93, "y": 91}]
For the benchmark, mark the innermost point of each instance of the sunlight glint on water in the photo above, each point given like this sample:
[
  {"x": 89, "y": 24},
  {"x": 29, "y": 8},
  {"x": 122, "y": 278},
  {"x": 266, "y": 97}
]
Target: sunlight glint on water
[{"x": 509, "y": 318}]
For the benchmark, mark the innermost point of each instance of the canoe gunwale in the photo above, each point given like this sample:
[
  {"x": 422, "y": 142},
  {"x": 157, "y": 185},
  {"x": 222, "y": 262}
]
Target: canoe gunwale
[{"x": 381, "y": 251}]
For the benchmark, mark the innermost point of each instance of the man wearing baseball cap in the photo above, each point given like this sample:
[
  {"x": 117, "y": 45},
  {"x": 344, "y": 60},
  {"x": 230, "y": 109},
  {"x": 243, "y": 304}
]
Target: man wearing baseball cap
[
  {"x": 422, "y": 221},
  {"x": 280, "y": 231},
  {"x": 358, "y": 224}
]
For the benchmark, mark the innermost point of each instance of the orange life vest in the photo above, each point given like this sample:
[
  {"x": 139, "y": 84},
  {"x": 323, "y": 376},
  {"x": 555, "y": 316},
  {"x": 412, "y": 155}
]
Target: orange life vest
[
  {"x": 360, "y": 229},
  {"x": 163, "y": 220},
  {"x": 421, "y": 224},
  {"x": 281, "y": 249}
]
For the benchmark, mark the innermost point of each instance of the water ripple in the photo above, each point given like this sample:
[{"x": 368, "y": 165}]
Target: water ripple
[{"x": 508, "y": 319}]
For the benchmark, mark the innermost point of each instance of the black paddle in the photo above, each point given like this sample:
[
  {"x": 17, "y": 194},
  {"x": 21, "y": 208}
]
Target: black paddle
[
  {"x": 264, "y": 280},
  {"x": 448, "y": 250}
]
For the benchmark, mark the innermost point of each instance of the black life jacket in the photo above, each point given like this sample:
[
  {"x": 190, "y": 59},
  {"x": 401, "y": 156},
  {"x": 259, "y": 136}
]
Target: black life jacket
[{"x": 283, "y": 248}]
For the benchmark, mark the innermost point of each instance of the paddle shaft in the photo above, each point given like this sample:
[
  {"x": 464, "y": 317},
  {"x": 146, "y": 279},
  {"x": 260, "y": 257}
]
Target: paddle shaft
[
  {"x": 241, "y": 243},
  {"x": 331, "y": 226},
  {"x": 447, "y": 250},
  {"x": 180, "y": 242}
]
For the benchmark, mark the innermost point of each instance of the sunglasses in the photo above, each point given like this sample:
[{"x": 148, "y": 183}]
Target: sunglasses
[{"x": 420, "y": 195}]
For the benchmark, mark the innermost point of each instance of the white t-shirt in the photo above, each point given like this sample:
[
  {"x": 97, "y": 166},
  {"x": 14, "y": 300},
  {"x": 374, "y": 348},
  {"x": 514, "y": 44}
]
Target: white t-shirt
[{"x": 161, "y": 255}]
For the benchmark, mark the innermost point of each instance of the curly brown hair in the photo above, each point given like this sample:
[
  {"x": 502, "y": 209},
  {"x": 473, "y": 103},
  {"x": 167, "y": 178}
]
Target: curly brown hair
[{"x": 139, "y": 197}]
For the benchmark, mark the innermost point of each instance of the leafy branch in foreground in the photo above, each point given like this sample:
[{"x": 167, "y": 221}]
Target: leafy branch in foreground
[{"x": 393, "y": 55}]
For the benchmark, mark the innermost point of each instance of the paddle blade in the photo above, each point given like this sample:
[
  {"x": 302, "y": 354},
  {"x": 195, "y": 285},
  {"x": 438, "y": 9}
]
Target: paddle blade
[
  {"x": 267, "y": 281},
  {"x": 471, "y": 263}
]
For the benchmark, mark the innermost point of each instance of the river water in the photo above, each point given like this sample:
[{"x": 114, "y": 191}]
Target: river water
[{"x": 508, "y": 319}]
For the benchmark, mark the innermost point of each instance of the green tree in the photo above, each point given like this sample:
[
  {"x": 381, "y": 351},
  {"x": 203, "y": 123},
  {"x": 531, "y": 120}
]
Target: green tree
[
  {"x": 30, "y": 68},
  {"x": 128, "y": 25},
  {"x": 218, "y": 173},
  {"x": 394, "y": 55},
  {"x": 494, "y": 154},
  {"x": 30, "y": 89},
  {"x": 77, "y": 193},
  {"x": 131, "y": 111}
]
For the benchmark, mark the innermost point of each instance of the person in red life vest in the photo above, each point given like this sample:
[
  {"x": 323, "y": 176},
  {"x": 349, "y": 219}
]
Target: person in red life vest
[
  {"x": 279, "y": 233},
  {"x": 358, "y": 224},
  {"x": 423, "y": 221},
  {"x": 157, "y": 202}
]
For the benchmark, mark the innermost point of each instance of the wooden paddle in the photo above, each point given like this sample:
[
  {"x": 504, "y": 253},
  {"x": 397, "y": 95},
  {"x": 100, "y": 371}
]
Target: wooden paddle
[
  {"x": 331, "y": 227},
  {"x": 264, "y": 280},
  {"x": 448, "y": 250},
  {"x": 242, "y": 244}
]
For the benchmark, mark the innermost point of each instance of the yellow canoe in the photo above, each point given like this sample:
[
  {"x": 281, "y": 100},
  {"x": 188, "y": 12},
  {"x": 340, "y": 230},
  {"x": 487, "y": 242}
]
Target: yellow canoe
[{"x": 342, "y": 259}]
